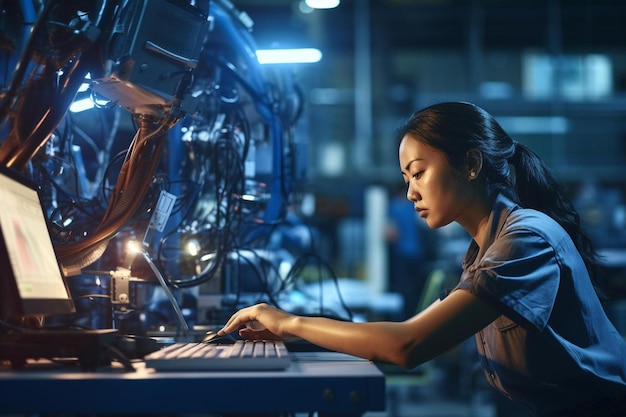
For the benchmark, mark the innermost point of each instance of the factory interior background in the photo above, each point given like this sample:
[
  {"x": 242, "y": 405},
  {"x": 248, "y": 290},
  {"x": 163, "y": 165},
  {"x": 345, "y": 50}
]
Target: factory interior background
[{"x": 552, "y": 72}]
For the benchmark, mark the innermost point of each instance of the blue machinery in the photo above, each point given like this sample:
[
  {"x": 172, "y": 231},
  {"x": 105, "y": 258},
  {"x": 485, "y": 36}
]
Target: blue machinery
[{"x": 213, "y": 164}]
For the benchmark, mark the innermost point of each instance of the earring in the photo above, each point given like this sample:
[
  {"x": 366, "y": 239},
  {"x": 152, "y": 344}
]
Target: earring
[{"x": 472, "y": 174}]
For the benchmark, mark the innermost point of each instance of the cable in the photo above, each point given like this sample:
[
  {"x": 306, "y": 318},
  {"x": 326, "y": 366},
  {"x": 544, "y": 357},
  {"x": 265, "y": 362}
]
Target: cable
[{"x": 183, "y": 326}]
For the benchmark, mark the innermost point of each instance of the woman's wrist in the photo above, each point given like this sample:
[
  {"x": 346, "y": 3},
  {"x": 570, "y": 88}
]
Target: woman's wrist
[{"x": 292, "y": 326}]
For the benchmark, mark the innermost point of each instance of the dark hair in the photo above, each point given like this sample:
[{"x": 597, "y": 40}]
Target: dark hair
[{"x": 456, "y": 127}]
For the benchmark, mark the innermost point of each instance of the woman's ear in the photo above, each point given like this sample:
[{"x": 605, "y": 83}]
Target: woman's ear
[{"x": 474, "y": 163}]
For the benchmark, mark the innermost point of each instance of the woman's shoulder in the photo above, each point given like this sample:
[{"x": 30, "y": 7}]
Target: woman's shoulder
[
  {"x": 509, "y": 216},
  {"x": 518, "y": 232},
  {"x": 533, "y": 221},
  {"x": 526, "y": 231}
]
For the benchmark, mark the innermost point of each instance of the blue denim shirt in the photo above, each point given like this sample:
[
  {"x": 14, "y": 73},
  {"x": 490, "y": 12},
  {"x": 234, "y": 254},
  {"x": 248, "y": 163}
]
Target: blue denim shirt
[{"x": 553, "y": 347}]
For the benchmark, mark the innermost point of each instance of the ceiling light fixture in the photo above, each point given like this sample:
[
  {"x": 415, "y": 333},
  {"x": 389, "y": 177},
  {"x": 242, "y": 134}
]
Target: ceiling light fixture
[
  {"x": 289, "y": 56},
  {"x": 322, "y": 4}
]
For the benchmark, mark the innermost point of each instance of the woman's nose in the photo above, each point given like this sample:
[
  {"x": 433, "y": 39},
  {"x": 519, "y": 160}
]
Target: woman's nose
[{"x": 412, "y": 194}]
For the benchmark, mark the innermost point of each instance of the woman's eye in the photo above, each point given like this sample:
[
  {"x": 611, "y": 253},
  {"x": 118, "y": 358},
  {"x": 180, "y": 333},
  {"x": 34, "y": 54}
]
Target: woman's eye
[{"x": 417, "y": 175}]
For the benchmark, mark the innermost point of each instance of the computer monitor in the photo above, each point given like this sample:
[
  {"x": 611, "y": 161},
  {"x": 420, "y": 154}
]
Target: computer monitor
[{"x": 31, "y": 280}]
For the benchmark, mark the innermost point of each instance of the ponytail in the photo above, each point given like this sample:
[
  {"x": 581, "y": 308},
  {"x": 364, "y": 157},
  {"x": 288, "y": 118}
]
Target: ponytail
[{"x": 538, "y": 188}]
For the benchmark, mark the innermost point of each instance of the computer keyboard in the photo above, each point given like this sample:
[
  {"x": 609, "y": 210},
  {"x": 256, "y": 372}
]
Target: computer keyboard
[{"x": 243, "y": 355}]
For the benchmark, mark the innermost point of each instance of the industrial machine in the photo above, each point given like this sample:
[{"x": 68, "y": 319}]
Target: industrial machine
[{"x": 193, "y": 197}]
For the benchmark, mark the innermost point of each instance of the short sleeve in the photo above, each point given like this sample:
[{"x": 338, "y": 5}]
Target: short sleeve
[{"x": 519, "y": 270}]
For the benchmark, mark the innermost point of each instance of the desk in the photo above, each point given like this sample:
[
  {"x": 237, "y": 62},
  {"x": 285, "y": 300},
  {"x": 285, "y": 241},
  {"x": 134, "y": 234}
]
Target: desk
[{"x": 322, "y": 382}]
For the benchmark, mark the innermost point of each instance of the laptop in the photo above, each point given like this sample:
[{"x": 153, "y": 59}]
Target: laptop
[{"x": 32, "y": 285}]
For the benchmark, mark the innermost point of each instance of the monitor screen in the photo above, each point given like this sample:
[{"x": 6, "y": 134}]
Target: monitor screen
[{"x": 30, "y": 279}]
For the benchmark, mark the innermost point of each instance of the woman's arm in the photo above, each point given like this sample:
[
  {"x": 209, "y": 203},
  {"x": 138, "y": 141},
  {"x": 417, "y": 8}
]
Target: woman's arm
[{"x": 439, "y": 328}]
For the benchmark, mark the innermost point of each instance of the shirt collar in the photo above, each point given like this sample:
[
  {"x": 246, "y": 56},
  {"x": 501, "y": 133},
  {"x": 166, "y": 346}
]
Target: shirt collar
[{"x": 502, "y": 207}]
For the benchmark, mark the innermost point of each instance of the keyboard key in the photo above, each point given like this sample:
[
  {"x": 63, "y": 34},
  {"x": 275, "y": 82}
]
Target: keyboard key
[{"x": 242, "y": 355}]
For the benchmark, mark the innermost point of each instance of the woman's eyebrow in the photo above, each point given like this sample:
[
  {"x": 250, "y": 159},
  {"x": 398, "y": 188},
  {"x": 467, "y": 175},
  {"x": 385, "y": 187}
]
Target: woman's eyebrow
[{"x": 406, "y": 168}]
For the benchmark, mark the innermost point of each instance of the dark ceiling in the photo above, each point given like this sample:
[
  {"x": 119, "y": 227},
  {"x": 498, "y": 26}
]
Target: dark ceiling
[{"x": 406, "y": 24}]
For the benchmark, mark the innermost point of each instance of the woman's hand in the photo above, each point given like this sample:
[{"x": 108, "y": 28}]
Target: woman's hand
[{"x": 257, "y": 322}]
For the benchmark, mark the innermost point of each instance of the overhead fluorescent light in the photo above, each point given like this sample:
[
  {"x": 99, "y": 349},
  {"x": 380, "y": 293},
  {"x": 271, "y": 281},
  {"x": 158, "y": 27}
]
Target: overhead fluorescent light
[
  {"x": 289, "y": 56},
  {"x": 322, "y": 4}
]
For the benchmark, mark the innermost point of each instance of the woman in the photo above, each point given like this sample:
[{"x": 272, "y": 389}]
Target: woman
[{"x": 526, "y": 291}]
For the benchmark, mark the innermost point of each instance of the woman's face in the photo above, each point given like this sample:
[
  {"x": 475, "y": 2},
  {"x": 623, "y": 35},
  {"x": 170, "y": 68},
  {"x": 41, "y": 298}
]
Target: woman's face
[{"x": 439, "y": 193}]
